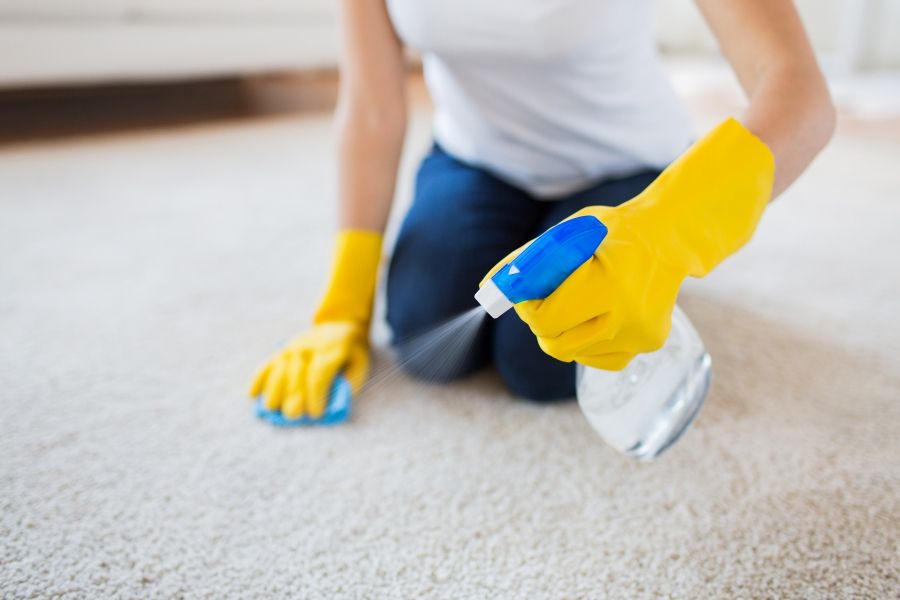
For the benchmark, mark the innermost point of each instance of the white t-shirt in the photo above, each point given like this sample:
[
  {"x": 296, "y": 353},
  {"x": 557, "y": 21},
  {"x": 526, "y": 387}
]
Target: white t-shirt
[{"x": 549, "y": 95}]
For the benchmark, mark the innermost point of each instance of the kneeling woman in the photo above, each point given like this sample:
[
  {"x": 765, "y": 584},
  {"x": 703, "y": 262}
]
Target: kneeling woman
[{"x": 544, "y": 109}]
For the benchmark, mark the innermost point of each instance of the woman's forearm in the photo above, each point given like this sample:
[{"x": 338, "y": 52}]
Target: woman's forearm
[
  {"x": 371, "y": 114},
  {"x": 791, "y": 111},
  {"x": 370, "y": 142},
  {"x": 790, "y": 107}
]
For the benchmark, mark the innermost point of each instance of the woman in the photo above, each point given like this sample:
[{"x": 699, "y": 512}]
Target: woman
[{"x": 544, "y": 109}]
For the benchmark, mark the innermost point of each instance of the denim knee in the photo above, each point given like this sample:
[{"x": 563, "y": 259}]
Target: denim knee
[{"x": 525, "y": 368}]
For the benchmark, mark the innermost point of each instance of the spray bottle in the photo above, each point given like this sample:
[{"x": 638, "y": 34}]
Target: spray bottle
[{"x": 643, "y": 409}]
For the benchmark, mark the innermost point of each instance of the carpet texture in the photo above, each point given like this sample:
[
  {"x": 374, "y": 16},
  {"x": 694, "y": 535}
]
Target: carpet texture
[{"x": 143, "y": 277}]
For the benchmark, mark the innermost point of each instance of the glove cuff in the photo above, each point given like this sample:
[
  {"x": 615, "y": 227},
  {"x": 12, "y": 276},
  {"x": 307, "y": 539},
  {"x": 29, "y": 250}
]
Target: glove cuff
[
  {"x": 351, "y": 288},
  {"x": 715, "y": 195}
]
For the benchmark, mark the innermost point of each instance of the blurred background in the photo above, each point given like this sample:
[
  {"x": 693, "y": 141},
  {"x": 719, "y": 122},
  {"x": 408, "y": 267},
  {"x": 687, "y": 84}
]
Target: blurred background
[
  {"x": 58, "y": 52},
  {"x": 166, "y": 218}
]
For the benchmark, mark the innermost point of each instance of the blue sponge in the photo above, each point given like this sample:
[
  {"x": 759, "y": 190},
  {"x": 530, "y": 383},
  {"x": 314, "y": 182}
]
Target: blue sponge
[{"x": 337, "y": 411}]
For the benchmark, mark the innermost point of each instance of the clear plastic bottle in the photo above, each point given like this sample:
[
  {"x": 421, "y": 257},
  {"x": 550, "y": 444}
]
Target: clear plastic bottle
[{"x": 643, "y": 409}]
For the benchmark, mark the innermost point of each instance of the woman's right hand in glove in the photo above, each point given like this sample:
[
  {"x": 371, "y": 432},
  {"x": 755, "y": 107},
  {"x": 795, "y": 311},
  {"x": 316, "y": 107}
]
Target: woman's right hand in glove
[{"x": 298, "y": 379}]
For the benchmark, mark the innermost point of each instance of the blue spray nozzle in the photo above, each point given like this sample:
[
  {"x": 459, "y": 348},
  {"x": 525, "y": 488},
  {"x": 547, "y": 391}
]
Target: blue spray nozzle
[{"x": 542, "y": 267}]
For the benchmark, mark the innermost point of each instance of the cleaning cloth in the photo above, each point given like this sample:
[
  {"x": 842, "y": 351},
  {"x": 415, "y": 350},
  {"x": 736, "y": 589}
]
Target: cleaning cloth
[{"x": 337, "y": 410}]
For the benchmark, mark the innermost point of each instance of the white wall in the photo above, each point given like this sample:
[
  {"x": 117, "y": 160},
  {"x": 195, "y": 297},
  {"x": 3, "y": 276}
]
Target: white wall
[{"x": 55, "y": 42}]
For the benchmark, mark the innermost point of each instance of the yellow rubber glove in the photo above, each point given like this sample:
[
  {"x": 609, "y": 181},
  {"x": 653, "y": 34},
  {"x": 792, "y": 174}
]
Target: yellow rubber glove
[
  {"x": 297, "y": 379},
  {"x": 700, "y": 210}
]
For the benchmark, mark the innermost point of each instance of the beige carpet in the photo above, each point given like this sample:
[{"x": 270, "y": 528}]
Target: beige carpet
[{"x": 144, "y": 276}]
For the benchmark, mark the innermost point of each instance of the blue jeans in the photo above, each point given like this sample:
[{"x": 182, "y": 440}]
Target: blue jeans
[{"x": 462, "y": 221}]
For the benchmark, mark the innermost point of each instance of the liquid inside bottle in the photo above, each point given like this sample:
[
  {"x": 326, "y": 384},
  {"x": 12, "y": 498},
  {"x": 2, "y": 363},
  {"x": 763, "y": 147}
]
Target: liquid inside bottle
[{"x": 643, "y": 409}]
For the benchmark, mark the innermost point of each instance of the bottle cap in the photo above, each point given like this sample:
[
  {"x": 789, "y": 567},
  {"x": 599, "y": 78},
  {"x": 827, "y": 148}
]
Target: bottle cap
[{"x": 492, "y": 299}]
